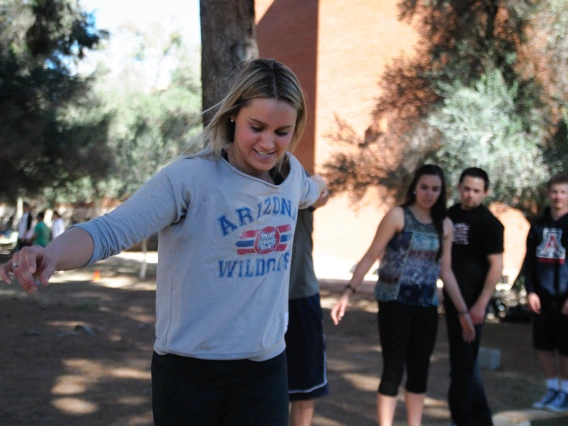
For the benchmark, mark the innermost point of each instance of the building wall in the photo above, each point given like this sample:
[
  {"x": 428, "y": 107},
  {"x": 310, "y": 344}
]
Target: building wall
[
  {"x": 339, "y": 50},
  {"x": 287, "y": 31}
]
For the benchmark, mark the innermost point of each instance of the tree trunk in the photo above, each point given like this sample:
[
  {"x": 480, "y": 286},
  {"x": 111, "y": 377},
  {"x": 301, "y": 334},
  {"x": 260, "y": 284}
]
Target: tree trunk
[{"x": 228, "y": 37}]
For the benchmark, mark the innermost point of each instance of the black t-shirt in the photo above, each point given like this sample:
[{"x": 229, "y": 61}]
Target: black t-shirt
[{"x": 477, "y": 234}]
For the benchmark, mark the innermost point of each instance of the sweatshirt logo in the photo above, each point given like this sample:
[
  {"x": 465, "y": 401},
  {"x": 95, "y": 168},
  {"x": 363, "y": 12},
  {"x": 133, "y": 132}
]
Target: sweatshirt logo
[
  {"x": 270, "y": 206},
  {"x": 550, "y": 249},
  {"x": 265, "y": 240}
]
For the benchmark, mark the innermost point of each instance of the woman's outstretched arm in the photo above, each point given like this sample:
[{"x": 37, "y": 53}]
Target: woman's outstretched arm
[
  {"x": 34, "y": 265},
  {"x": 392, "y": 223}
]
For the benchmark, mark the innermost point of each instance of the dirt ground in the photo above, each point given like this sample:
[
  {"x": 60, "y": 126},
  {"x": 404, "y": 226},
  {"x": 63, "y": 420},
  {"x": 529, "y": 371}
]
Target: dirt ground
[{"x": 78, "y": 353}]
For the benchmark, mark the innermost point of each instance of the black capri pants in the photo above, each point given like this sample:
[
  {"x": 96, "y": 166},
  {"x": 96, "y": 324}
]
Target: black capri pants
[
  {"x": 408, "y": 336},
  {"x": 197, "y": 392}
]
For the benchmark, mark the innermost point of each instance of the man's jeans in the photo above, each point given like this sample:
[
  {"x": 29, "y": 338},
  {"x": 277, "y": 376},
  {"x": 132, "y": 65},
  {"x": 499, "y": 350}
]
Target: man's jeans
[{"x": 466, "y": 396}]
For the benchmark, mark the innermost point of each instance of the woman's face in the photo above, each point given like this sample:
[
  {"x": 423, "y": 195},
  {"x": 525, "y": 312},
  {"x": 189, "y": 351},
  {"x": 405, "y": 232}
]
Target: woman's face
[
  {"x": 428, "y": 190},
  {"x": 263, "y": 132}
]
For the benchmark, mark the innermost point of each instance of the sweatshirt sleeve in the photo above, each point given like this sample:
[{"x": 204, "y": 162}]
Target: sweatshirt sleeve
[
  {"x": 310, "y": 193},
  {"x": 529, "y": 264},
  {"x": 153, "y": 207}
]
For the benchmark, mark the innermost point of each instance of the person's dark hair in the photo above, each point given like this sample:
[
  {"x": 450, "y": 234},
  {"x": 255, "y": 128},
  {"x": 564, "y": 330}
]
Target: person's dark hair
[
  {"x": 475, "y": 172},
  {"x": 26, "y": 205},
  {"x": 56, "y": 213},
  {"x": 41, "y": 215},
  {"x": 439, "y": 210},
  {"x": 557, "y": 179}
]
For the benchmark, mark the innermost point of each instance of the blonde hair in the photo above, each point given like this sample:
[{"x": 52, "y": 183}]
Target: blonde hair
[{"x": 259, "y": 78}]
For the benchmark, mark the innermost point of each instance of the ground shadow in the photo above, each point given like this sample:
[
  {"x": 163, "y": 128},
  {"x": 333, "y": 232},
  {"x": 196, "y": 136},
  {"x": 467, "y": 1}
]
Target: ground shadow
[
  {"x": 354, "y": 361},
  {"x": 78, "y": 353}
]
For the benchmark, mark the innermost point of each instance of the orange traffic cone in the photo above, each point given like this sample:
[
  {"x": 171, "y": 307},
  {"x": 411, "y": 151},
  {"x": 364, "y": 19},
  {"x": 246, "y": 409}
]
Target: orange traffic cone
[{"x": 96, "y": 275}]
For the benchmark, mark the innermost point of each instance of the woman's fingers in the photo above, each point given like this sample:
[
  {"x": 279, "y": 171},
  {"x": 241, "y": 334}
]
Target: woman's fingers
[
  {"x": 5, "y": 271},
  {"x": 27, "y": 268},
  {"x": 338, "y": 311},
  {"x": 334, "y": 314}
]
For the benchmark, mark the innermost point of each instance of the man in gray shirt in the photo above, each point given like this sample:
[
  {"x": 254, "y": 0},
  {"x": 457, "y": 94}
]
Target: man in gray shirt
[{"x": 307, "y": 370}]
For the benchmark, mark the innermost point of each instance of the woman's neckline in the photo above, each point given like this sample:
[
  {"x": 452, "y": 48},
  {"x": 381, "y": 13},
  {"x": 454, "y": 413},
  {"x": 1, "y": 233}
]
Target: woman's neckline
[
  {"x": 416, "y": 219},
  {"x": 275, "y": 174}
]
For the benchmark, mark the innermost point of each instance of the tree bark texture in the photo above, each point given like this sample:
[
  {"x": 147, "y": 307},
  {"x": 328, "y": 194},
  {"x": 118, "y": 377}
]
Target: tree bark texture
[{"x": 228, "y": 37}]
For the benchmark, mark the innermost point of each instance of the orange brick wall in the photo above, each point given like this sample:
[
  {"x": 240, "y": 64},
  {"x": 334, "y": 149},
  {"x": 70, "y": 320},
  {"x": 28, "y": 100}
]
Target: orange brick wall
[
  {"x": 292, "y": 39},
  {"x": 339, "y": 50}
]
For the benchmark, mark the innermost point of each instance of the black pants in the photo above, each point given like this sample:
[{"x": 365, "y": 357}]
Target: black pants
[
  {"x": 408, "y": 336},
  {"x": 466, "y": 396},
  {"x": 196, "y": 392}
]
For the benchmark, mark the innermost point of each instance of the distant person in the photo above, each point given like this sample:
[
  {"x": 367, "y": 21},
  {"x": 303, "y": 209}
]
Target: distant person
[
  {"x": 41, "y": 231},
  {"x": 477, "y": 262},
  {"x": 414, "y": 245},
  {"x": 6, "y": 229},
  {"x": 24, "y": 228},
  {"x": 57, "y": 225},
  {"x": 546, "y": 280},
  {"x": 226, "y": 218},
  {"x": 305, "y": 340}
]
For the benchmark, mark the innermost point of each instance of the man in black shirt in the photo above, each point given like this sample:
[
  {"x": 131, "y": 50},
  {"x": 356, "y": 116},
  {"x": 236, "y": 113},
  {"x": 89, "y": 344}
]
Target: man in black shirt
[{"x": 477, "y": 262}]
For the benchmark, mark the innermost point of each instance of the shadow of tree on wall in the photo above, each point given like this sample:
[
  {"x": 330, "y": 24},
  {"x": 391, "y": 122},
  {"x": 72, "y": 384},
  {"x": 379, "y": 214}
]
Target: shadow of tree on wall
[{"x": 459, "y": 43}]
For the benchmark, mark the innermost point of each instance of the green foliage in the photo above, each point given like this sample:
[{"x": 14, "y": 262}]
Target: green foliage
[
  {"x": 479, "y": 126},
  {"x": 470, "y": 96},
  {"x": 149, "y": 126},
  {"x": 41, "y": 145},
  {"x": 69, "y": 138}
]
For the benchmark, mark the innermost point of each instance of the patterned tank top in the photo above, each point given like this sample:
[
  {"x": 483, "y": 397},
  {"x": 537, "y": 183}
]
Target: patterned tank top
[{"x": 408, "y": 271}]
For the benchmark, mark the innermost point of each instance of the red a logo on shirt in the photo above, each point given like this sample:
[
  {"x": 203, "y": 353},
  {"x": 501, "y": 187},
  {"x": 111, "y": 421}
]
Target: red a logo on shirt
[{"x": 550, "y": 248}]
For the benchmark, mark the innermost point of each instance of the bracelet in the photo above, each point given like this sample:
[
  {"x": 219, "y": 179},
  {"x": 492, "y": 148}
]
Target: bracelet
[
  {"x": 463, "y": 312},
  {"x": 350, "y": 287}
]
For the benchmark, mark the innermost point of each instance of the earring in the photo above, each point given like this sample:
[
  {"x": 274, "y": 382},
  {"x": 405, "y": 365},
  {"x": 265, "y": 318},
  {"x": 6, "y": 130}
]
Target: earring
[
  {"x": 232, "y": 121},
  {"x": 414, "y": 192}
]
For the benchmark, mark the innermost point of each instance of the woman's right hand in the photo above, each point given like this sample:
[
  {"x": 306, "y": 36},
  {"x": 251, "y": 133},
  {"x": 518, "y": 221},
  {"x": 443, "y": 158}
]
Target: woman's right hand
[
  {"x": 338, "y": 310},
  {"x": 31, "y": 266},
  {"x": 468, "y": 330}
]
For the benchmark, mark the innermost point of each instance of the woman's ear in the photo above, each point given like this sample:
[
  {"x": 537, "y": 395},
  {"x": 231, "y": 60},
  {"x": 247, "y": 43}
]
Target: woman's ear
[{"x": 231, "y": 129}]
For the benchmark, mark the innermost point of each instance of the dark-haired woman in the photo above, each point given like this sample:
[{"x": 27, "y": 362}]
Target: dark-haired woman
[{"x": 413, "y": 242}]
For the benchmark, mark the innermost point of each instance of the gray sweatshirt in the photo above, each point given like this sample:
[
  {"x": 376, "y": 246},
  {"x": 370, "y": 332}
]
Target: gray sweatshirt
[{"x": 225, "y": 242}]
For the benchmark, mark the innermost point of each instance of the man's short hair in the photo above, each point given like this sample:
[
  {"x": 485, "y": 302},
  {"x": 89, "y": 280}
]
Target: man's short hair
[
  {"x": 476, "y": 172},
  {"x": 557, "y": 179}
]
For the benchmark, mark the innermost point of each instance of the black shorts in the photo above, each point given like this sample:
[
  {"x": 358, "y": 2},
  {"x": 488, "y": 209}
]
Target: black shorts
[
  {"x": 305, "y": 350},
  {"x": 549, "y": 328}
]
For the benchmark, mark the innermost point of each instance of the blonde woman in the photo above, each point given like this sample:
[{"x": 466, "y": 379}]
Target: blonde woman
[{"x": 225, "y": 219}]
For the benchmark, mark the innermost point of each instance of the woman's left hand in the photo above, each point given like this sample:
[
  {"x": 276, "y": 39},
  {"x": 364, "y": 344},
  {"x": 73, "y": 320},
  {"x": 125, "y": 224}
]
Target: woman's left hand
[
  {"x": 338, "y": 311},
  {"x": 468, "y": 330}
]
